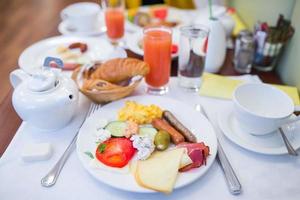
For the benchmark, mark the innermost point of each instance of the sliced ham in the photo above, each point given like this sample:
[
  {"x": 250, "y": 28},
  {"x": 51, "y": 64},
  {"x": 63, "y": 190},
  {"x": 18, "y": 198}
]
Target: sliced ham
[{"x": 198, "y": 153}]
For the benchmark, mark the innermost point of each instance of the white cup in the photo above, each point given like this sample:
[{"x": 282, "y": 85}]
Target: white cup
[
  {"x": 81, "y": 16},
  {"x": 260, "y": 108}
]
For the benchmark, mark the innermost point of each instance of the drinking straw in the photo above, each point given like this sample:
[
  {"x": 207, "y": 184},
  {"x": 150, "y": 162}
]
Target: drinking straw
[{"x": 210, "y": 9}]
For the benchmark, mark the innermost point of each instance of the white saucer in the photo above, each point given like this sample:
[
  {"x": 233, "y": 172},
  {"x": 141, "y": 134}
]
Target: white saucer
[
  {"x": 271, "y": 144},
  {"x": 65, "y": 30}
]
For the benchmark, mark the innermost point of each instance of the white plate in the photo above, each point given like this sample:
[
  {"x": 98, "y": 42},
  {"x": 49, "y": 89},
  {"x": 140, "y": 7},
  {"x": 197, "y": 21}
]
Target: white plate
[
  {"x": 98, "y": 49},
  {"x": 192, "y": 119},
  {"x": 271, "y": 144},
  {"x": 132, "y": 41},
  {"x": 65, "y": 30}
]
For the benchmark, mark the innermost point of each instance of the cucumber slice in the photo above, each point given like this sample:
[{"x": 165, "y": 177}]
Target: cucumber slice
[
  {"x": 148, "y": 132},
  {"x": 116, "y": 128}
]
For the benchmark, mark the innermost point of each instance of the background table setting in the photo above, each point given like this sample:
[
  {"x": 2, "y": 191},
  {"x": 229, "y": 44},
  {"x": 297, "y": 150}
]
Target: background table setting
[{"x": 205, "y": 99}]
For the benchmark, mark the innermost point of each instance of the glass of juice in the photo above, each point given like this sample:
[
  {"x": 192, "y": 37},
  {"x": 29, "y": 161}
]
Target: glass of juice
[
  {"x": 157, "y": 53},
  {"x": 114, "y": 19}
]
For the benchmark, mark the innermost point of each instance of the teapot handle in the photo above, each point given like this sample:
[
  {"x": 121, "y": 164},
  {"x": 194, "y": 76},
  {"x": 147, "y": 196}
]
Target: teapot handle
[{"x": 17, "y": 76}]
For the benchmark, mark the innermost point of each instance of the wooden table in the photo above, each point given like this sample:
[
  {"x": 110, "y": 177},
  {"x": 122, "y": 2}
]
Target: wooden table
[{"x": 25, "y": 22}]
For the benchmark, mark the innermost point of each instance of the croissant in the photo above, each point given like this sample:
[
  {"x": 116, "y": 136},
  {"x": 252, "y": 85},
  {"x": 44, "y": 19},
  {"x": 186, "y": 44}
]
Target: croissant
[{"x": 120, "y": 69}]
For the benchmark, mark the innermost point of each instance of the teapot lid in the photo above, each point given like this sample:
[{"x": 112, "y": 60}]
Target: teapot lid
[
  {"x": 42, "y": 80},
  {"x": 46, "y": 78}
]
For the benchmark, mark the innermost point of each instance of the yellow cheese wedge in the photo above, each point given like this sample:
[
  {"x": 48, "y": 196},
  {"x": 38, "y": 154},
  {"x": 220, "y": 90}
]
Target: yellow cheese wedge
[{"x": 159, "y": 172}]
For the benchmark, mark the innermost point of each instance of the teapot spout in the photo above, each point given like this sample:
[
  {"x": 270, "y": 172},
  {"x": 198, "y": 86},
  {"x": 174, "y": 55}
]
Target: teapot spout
[{"x": 17, "y": 76}]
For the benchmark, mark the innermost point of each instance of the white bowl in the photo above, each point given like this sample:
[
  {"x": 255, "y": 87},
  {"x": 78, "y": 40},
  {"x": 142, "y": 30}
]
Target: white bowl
[{"x": 261, "y": 108}]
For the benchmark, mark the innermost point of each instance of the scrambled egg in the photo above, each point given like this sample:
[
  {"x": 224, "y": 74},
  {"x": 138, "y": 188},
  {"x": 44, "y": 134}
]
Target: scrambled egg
[{"x": 138, "y": 113}]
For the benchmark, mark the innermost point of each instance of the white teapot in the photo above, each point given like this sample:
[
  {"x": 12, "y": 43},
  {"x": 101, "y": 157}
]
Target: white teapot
[{"x": 46, "y": 99}]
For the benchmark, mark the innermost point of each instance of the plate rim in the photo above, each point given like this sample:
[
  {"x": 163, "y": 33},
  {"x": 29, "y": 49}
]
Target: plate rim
[
  {"x": 62, "y": 28},
  {"x": 145, "y": 190}
]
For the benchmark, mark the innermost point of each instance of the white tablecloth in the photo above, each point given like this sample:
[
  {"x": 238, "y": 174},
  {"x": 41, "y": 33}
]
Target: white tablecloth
[{"x": 261, "y": 176}]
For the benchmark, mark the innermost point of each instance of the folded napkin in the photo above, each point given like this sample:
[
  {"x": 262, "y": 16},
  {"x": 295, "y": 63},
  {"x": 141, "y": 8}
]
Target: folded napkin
[{"x": 223, "y": 87}]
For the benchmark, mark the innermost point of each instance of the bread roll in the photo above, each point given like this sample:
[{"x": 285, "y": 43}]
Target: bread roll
[{"x": 120, "y": 69}]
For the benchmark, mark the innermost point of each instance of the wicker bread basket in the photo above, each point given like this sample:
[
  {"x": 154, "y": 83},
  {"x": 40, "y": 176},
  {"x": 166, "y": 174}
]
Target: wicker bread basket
[{"x": 102, "y": 96}]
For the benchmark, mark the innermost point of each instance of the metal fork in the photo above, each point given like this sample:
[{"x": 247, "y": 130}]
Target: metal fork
[
  {"x": 232, "y": 181},
  {"x": 51, "y": 178}
]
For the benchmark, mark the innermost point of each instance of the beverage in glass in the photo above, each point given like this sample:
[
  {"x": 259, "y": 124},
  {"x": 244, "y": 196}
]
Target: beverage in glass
[
  {"x": 192, "y": 51},
  {"x": 157, "y": 53},
  {"x": 114, "y": 19}
]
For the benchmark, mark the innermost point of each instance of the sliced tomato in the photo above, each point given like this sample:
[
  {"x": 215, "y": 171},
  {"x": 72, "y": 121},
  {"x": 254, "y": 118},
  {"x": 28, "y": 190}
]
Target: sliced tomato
[
  {"x": 115, "y": 152},
  {"x": 160, "y": 13},
  {"x": 174, "y": 48}
]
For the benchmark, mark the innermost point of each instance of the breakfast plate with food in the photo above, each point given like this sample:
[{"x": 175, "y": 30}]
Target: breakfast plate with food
[
  {"x": 158, "y": 15},
  {"x": 147, "y": 144},
  {"x": 74, "y": 52}
]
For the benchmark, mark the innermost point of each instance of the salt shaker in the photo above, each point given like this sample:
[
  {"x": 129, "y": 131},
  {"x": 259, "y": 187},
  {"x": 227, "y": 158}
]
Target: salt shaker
[{"x": 244, "y": 49}]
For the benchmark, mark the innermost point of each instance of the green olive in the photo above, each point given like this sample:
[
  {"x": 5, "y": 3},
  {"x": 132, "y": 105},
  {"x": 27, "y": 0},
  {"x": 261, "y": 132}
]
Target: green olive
[{"x": 162, "y": 140}]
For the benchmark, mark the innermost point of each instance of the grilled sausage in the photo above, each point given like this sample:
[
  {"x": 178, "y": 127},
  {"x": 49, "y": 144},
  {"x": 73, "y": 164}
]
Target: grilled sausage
[
  {"x": 165, "y": 126},
  {"x": 188, "y": 135},
  {"x": 82, "y": 46}
]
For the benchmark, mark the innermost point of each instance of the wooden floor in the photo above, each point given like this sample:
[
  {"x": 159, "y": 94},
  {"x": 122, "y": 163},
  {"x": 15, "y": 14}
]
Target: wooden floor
[{"x": 24, "y": 22}]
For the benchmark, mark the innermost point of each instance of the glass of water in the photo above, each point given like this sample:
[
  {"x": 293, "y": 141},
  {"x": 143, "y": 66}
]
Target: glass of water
[{"x": 192, "y": 51}]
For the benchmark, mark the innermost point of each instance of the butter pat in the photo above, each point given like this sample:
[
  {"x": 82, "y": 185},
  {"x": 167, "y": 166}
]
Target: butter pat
[{"x": 36, "y": 152}]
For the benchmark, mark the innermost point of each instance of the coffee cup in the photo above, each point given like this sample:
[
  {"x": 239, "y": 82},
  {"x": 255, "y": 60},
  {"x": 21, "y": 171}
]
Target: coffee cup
[
  {"x": 81, "y": 16},
  {"x": 260, "y": 108}
]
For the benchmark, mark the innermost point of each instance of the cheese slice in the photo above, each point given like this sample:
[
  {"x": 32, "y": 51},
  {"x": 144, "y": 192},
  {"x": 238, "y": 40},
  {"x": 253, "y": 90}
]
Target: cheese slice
[
  {"x": 185, "y": 159},
  {"x": 159, "y": 172}
]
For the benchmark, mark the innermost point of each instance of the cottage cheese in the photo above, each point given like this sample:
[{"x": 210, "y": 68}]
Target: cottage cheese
[{"x": 144, "y": 145}]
